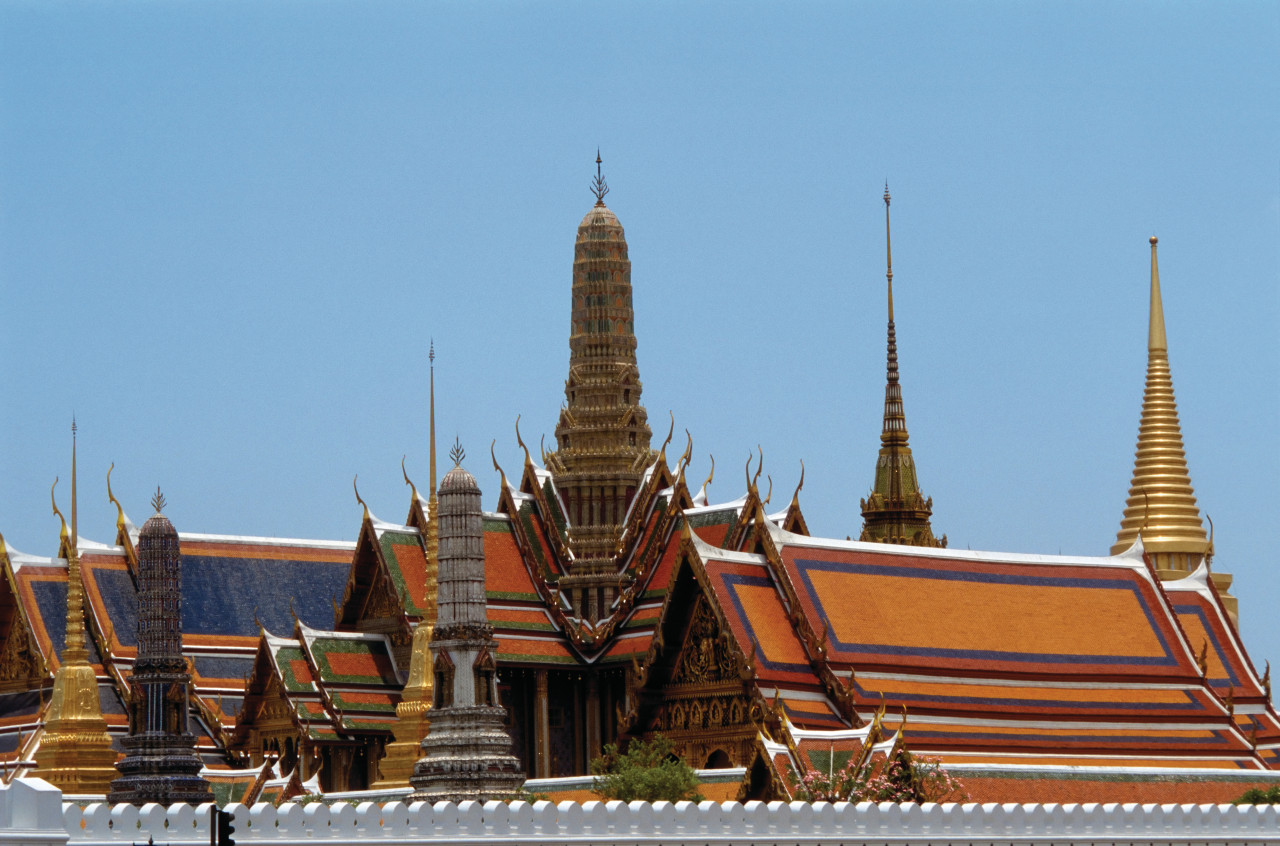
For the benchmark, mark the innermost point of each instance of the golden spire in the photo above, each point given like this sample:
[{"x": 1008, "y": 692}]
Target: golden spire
[
  {"x": 412, "y": 720},
  {"x": 1161, "y": 504},
  {"x": 433, "y": 510},
  {"x": 75, "y": 753},
  {"x": 896, "y": 511}
]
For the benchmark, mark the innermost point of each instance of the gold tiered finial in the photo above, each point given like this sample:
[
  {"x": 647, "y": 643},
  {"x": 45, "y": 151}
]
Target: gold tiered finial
[
  {"x": 896, "y": 511},
  {"x": 75, "y": 753},
  {"x": 1161, "y": 504}
]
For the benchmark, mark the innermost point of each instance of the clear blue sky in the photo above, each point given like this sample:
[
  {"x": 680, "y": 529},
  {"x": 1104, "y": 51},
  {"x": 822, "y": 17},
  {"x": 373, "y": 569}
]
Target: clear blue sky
[{"x": 228, "y": 230}]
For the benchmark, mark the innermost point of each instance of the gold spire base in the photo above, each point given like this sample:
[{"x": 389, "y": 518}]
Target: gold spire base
[
  {"x": 413, "y": 724},
  {"x": 412, "y": 720},
  {"x": 75, "y": 753}
]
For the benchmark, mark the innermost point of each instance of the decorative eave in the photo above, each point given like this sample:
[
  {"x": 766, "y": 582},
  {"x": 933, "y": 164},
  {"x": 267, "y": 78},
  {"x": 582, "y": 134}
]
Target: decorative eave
[
  {"x": 367, "y": 560},
  {"x": 20, "y": 611},
  {"x": 689, "y": 557}
]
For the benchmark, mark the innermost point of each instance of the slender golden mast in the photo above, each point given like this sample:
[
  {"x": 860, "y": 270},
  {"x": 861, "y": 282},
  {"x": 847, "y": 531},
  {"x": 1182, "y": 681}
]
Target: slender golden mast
[
  {"x": 433, "y": 533},
  {"x": 896, "y": 511},
  {"x": 412, "y": 722},
  {"x": 75, "y": 752},
  {"x": 1162, "y": 504}
]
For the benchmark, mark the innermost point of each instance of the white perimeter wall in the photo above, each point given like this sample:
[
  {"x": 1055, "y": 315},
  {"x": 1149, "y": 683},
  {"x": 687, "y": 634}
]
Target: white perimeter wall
[{"x": 32, "y": 812}]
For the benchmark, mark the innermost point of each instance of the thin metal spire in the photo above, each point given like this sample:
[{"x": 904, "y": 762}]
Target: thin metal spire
[
  {"x": 431, "y": 356},
  {"x": 888, "y": 249},
  {"x": 599, "y": 187},
  {"x": 75, "y": 535}
]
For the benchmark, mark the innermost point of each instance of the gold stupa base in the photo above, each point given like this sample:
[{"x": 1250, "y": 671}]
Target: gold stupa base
[
  {"x": 397, "y": 764},
  {"x": 75, "y": 756}
]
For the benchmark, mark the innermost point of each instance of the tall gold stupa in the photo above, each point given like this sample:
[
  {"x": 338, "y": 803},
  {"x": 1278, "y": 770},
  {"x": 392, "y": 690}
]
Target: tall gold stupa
[
  {"x": 75, "y": 753},
  {"x": 1162, "y": 504}
]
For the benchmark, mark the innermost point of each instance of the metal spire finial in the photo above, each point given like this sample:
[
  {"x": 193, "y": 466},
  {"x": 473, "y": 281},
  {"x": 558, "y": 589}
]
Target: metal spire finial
[
  {"x": 599, "y": 187},
  {"x": 431, "y": 356},
  {"x": 457, "y": 453},
  {"x": 888, "y": 249},
  {"x": 75, "y": 535},
  {"x": 157, "y": 501}
]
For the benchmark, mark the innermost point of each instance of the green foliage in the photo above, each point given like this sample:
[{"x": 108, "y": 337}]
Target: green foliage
[
  {"x": 1257, "y": 796},
  {"x": 649, "y": 771}
]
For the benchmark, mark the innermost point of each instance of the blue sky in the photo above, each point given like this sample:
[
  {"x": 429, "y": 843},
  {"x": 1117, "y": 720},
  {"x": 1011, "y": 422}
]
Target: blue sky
[{"x": 228, "y": 232}]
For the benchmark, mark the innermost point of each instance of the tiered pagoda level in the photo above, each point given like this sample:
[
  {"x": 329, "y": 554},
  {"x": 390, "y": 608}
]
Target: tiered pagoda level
[
  {"x": 896, "y": 511},
  {"x": 160, "y": 763},
  {"x": 603, "y": 433}
]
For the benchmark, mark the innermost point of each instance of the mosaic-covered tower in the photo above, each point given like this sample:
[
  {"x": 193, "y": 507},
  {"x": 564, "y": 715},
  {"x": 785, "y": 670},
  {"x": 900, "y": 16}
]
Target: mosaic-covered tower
[
  {"x": 603, "y": 434},
  {"x": 896, "y": 511},
  {"x": 467, "y": 752},
  {"x": 160, "y": 763}
]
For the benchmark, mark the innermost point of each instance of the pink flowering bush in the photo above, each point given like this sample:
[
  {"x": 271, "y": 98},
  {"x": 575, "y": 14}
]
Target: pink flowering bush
[{"x": 903, "y": 778}]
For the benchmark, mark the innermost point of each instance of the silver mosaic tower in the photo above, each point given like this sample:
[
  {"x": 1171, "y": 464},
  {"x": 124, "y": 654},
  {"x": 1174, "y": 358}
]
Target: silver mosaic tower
[
  {"x": 467, "y": 752},
  {"x": 160, "y": 763}
]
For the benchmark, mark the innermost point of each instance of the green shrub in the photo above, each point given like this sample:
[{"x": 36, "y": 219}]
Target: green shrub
[
  {"x": 649, "y": 771},
  {"x": 1257, "y": 796}
]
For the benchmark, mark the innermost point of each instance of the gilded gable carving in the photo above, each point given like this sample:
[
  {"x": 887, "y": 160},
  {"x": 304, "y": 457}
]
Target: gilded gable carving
[
  {"x": 706, "y": 656},
  {"x": 19, "y": 660}
]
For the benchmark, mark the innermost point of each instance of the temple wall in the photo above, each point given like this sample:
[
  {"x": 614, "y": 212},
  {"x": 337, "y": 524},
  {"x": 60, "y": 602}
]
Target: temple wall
[{"x": 26, "y": 817}]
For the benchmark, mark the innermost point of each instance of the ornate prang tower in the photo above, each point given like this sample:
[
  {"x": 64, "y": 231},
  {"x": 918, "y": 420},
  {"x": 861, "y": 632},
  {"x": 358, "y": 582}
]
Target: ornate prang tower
[
  {"x": 603, "y": 433},
  {"x": 467, "y": 753},
  {"x": 160, "y": 763},
  {"x": 896, "y": 511},
  {"x": 1162, "y": 504},
  {"x": 75, "y": 753}
]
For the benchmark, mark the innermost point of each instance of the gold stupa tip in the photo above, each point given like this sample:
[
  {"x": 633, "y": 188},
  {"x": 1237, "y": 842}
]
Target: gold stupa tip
[{"x": 1154, "y": 240}]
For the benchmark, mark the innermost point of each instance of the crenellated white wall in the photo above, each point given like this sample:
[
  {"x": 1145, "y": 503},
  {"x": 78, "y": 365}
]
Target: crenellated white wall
[{"x": 622, "y": 824}]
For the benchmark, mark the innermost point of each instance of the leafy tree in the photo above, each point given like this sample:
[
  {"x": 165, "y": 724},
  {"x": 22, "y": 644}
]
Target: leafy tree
[
  {"x": 1258, "y": 796},
  {"x": 649, "y": 771}
]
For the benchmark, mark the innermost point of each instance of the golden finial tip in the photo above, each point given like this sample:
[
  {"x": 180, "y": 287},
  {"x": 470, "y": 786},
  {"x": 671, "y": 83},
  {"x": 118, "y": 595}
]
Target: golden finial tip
[{"x": 1153, "y": 239}]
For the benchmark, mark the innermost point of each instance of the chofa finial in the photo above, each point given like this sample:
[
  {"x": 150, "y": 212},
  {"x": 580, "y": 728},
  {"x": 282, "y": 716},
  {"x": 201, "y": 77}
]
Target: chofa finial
[
  {"x": 599, "y": 187},
  {"x": 157, "y": 501}
]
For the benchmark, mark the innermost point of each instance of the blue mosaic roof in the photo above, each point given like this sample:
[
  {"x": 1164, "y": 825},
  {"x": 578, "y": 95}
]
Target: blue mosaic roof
[
  {"x": 223, "y": 666},
  {"x": 120, "y": 600},
  {"x": 219, "y": 595},
  {"x": 51, "y": 599}
]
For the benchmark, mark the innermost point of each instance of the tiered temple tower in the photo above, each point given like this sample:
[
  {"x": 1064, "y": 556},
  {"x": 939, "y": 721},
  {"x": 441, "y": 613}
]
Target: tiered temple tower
[
  {"x": 412, "y": 720},
  {"x": 896, "y": 511},
  {"x": 160, "y": 763},
  {"x": 467, "y": 753},
  {"x": 75, "y": 753},
  {"x": 1162, "y": 504},
  {"x": 603, "y": 433}
]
